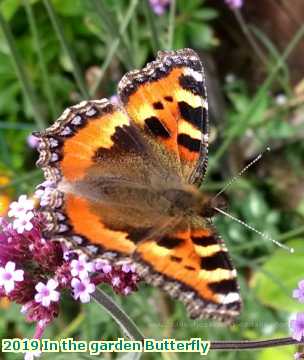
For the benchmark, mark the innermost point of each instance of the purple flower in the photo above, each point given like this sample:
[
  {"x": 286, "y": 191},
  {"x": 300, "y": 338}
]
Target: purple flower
[
  {"x": 122, "y": 278},
  {"x": 115, "y": 281},
  {"x": 36, "y": 312},
  {"x": 46, "y": 293},
  {"x": 23, "y": 222},
  {"x": 159, "y": 6},
  {"x": 8, "y": 276},
  {"x": 67, "y": 255},
  {"x": 299, "y": 292},
  {"x": 24, "y": 291},
  {"x": 49, "y": 254},
  {"x": 234, "y": 4},
  {"x": 20, "y": 207},
  {"x": 102, "y": 265},
  {"x": 63, "y": 274},
  {"x": 297, "y": 327},
  {"x": 82, "y": 289},
  {"x": 127, "y": 290},
  {"x": 81, "y": 267},
  {"x": 128, "y": 268},
  {"x": 13, "y": 246},
  {"x": 32, "y": 141},
  {"x": 48, "y": 266}
]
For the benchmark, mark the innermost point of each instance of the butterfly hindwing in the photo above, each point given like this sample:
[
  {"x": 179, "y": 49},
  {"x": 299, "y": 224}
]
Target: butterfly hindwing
[
  {"x": 167, "y": 99},
  {"x": 193, "y": 266}
]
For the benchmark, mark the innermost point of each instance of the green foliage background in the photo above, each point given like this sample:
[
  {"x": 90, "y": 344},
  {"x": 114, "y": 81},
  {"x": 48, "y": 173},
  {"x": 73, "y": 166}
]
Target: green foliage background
[{"x": 56, "y": 53}]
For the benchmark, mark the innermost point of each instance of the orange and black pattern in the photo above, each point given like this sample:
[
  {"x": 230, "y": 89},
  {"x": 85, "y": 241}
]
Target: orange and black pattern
[
  {"x": 168, "y": 100},
  {"x": 125, "y": 177},
  {"x": 193, "y": 266}
]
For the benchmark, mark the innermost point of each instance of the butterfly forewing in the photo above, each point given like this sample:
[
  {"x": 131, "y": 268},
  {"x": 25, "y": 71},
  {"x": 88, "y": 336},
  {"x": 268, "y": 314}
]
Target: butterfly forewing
[{"x": 167, "y": 100}]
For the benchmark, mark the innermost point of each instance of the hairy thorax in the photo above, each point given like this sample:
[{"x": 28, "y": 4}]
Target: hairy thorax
[{"x": 189, "y": 201}]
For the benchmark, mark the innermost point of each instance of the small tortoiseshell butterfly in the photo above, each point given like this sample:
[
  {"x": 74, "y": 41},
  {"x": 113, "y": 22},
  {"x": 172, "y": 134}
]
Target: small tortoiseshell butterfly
[{"x": 126, "y": 184}]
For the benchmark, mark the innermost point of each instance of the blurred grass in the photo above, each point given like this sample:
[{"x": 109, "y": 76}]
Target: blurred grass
[
  {"x": 22, "y": 76},
  {"x": 76, "y": 70},
  {"x": 114, "y": 46},
  {"x": 42, "y": 64},
  {"x": 47, "y": 50},
  {"x": 244, "y": 122}
]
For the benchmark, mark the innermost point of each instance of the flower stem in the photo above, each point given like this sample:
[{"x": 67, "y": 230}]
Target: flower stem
[
  {"x": 132, "y": 331},
  {"x": 252, "y": 345},
  {"x": 121, "y": 318},
  {"x": 251, "y": 40}
]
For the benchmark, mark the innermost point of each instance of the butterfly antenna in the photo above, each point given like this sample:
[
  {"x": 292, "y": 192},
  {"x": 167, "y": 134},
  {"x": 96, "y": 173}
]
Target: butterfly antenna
[
  {"x": 263, "y": 235},
  {"x": 230, "y": 182}
]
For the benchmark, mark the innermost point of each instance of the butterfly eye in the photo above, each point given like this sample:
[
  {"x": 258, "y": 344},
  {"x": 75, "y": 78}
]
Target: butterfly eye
[{"x": 209, "y": 207}]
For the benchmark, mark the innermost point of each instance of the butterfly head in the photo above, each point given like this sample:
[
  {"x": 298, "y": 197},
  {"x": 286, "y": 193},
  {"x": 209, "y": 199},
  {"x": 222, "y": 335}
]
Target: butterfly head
[{"x": 210, "y": 204}]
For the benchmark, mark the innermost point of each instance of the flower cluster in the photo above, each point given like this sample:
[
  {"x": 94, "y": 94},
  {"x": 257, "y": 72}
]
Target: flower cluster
[
  {"x": 297, "y": 324},
  {"x": 34, "y": 271}
]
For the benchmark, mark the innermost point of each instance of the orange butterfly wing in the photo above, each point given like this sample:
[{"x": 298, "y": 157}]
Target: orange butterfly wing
[
  {"x": 100, "y": 169},
  {"x": 193, "y": 266},
  {"x": 105, "y": 165},
  {"x": 68, "y": 151},
  {"x": 168, "y": 100}
]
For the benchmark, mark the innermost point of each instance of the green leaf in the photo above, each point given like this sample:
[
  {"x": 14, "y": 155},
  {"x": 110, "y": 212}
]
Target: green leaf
[{"x": 279, "y": 276}]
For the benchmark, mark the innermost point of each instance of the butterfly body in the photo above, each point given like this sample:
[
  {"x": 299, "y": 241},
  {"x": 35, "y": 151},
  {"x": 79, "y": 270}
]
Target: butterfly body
[{"x": 125, "y": 184}]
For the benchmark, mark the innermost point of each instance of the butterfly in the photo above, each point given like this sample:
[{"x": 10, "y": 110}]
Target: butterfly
[{"x": 125, "y": 184}]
